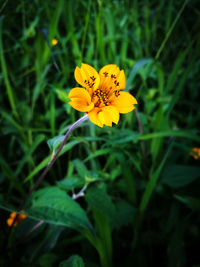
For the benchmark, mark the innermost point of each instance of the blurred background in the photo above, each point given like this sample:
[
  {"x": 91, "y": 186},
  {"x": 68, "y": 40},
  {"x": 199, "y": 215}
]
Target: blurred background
[{"x": 141, "y": 205}]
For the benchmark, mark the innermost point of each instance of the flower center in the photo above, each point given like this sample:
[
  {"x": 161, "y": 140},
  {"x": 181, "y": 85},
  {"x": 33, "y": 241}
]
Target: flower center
[{"x": 102, "y": 97}]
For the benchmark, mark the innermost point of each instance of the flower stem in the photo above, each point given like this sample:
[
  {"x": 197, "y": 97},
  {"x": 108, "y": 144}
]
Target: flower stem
[{"x": 51, "y": 162}]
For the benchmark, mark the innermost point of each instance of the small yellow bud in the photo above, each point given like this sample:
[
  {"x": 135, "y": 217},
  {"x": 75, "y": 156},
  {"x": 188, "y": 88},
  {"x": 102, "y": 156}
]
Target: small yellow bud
[{"x": 54, "y": 42}]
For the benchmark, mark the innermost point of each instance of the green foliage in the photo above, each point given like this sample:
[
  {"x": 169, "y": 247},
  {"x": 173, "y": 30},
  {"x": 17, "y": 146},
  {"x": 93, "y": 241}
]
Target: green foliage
[
  {"x": 54, "y": 206},
  {"x": 130, "y": 190},
  {"x": 177, "y": 176},
  {"x": 73, "y": 261}
]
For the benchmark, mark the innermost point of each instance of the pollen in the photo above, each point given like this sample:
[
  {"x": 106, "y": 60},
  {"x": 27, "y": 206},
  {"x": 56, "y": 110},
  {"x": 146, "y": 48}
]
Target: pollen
[{"x": 102, "y": 98}]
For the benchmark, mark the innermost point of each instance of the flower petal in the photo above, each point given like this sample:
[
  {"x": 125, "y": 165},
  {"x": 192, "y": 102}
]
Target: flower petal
[
  {"x": 93, "y": 116},
  {"x": 9, "y": 221},
  {"x": 110, "y": 69},
  {"x": 105, "y": 118},
  {"x": 112, "y": 77},
  {"x": 122, "y": 80},
  {"x": 124, "y": 102},
  {"x": 87, "y": 76},
  {"x": 108, "y": 115},
  {"x": 80, "y": 99}
]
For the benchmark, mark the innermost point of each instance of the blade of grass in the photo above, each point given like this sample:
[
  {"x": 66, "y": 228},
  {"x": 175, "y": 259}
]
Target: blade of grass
[
  {"x": 184, "y": 134},
  {"x": 40, "y": 138},
  {"x": 152, "y": 182},
  {"x": 170, "y": 30},
  {"x": 9, "y": 90}
]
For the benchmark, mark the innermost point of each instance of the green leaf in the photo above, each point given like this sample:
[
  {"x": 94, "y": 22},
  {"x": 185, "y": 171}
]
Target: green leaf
[
  {"x": 98, "y": 153},
  {"x": 40, "y": 138},
  {"x": 192, "y": 202},
  {"x": 45, "y": 161},
  {"x": 121, "y": 137},
  {"x": 62, "y": 95},
  {"x": 99, "y": 200},
  {"x": 47, "y": 241},
  {"x": 54, "y": 206},
  {"x": 136, "y": 69},
  {"x": 125, "y": 213},
  {"x": 153, "y": 181},
  {"x": 180, "y": 175},
  {"x": 184, "y": 134},
  {"x": 47, "y": 259},
  {"x": 80, "y": 167},
  {"x": 55, "y": 142},
  {"x": 73, "y": 261},
  {"x": 71, "y": 183}
]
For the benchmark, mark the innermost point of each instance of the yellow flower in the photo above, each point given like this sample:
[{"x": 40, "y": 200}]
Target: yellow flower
[
  {"x": 54, "y": 42},
  {"x": 195, "y": 153},
  {"x": 12, "y": 217},
  {"x": 102, "y": 97}
]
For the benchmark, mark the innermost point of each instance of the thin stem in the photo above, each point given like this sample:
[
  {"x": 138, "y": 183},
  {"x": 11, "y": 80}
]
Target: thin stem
[
  {"x": 85, "y": 117},
  {"x": 34, "y": 228},
  {"x": 81, "y": 193}
]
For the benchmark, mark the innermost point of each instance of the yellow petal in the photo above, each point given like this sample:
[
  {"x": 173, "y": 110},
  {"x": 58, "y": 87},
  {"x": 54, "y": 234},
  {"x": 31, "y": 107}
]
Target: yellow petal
[
  {"x": 105, "y": 118},
  {"x": 110, "y": 69},
  {"x": 108, "y": 115},
  {"x": 22, "y": 217},
  {"x": 93, "y": 116},
  {"x": 122, "y": 80},
  {"x": 111, "y": 76},
  {"x": 124, "y": 102},
  {"x": 9, "y": 221},
  {"x": 79, "y": 92},
  {"x": 80, "y": 99},
  {"x": 13, "y": 214},
  {"x": 87, "y": 76}
]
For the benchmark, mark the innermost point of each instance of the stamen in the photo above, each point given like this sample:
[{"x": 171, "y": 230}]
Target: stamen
[
  {"x": 117, "y": 93},
  {"x": 88, "y": 83},
  {"x": 116, "y": 82},
  {"x": 102, "y": 97},
  {"x": 93, "y": 78}
]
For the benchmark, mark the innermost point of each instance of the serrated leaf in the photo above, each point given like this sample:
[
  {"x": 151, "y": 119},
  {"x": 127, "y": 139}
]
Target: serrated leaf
[{"x": 54, "y": 206}]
